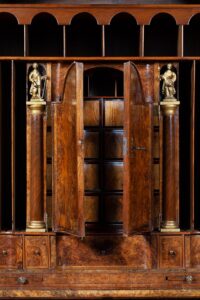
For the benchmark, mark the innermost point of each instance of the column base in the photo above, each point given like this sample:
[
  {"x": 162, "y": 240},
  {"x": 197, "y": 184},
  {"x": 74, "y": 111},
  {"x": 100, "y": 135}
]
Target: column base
[
  {"x": 170, "y": 230},
  {"x": 36, "y": 226},
  {"x": 35, "y": 230},
  {"x": 169, "y": 226}
]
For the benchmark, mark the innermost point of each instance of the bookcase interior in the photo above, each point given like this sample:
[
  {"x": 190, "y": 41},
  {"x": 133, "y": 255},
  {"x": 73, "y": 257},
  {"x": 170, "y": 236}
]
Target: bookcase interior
[
  {"x": 103, "y": 107},
  {"x": 103, "y": 125}
]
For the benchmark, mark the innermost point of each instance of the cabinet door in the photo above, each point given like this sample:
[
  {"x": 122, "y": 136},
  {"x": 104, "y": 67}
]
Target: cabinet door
[
  {"x": 137, "y": 154},
  {"x": 68, "y": 155}
]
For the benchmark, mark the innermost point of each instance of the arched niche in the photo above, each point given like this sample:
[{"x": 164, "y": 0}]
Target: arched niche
[
  {"x": 11, "y": 35},
  {"x": 161, "y": 36},
  {"x": 45, "y": 36},
  {"x": 122, "y": 36},
  {"x": 84, "y": 36},
  {"x": 103, "y": 81},
  {"x": 191, "y": 37},
  {"x": 103, "y": 116}
]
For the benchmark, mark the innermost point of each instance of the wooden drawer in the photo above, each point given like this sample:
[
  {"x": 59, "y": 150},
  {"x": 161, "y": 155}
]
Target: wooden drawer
[
  {"x": 20, "y": 280},
  {"x": 194, "y": 254},
  {"x": 10, "y": 252},
  {"x": 171, "y": 252},
  {"x": 105, "y": 251},
  {"x": 36, "y": 252}
]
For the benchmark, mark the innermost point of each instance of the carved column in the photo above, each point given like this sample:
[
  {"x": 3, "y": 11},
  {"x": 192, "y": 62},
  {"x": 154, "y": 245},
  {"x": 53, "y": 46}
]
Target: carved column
[
  {"x": 36, "y": 149},
  {"x": 170, "y": 176},
  {"x": 35, "y": 165}
]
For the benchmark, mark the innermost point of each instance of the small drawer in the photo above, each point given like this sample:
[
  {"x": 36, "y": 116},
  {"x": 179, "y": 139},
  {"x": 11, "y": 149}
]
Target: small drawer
[
  {"x": 194, "y": 255},
  {"x": 10, "y": 252},
  {"x": 171, "y": 252},
  {"x": 20, "y": 280},
  {"x": 36, "y": 252}
]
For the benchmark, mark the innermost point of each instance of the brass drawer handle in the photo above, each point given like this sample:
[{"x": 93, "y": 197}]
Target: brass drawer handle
[
  {"x": 189, "y": 278},
  {"x": 22, "y": 280},
  {"x": 37, "y": 252},
  {"x": 4, "y": 252},
  {"x": 172, "y": 253}
]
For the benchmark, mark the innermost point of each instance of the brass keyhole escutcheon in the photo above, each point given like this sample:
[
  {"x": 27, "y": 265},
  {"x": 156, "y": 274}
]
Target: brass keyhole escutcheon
[
  {"x": 4, "y": 252},
  {"x": 37, "y": 252}
]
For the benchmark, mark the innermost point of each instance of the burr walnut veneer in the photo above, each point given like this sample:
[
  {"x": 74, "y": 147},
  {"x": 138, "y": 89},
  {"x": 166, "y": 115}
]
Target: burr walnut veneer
[{"x": 99, "y": 181}]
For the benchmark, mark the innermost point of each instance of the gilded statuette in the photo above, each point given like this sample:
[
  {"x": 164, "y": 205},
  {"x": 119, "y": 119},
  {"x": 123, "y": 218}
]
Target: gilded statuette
[
  {"x": 168, "y": 84},
  {"x": 36, "y": 91}
]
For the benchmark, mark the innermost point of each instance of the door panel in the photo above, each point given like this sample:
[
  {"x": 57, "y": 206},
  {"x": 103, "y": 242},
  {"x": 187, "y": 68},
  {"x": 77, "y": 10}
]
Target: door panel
[
  {"x": 68, "y": 155},
  {"x": 137, "y": 154}
]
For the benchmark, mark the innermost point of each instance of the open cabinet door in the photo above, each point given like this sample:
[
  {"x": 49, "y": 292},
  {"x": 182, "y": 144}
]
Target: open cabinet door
[
  {"x": 68, "y": 156},
  {"x": 137, "y": 155}
]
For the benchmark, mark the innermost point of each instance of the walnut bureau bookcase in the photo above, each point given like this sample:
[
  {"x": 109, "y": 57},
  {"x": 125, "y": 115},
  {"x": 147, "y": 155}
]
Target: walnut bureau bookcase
[{"x": 99, "y": 150}]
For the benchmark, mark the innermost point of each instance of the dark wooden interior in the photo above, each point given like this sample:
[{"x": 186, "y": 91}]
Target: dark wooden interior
[{"x": 99, "y": 182}]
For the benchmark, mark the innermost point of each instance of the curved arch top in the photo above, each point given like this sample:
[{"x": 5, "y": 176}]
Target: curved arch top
[
  {"x": 103, "y": 15},
  {"x": 129, "y": 15},
  {"x": 192, "y": 17},
  {"x": 112, "y": 67},
  {"x": 42, "y": 14},
  {"x": 86, "y": 14},
  {"x": 11, "y": 16},
  {"x": 172, "y": 17},
  {"x": 45, "y": 31},
  {"x": 111, "y": 80}
]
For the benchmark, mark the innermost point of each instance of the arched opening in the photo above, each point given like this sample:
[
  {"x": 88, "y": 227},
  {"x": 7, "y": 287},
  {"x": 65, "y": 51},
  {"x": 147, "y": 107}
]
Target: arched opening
[
  {"x": 103, "y": 81},
  {"x": 11, "y": 35},
  {"x": 84, "y": 36},
  {"x": 103, "y": 164},
  {"x": 122, "y": 36},
  {"x": 45, "y": 36},
  {"x": 191, "y": 37},
  {"x": 161, "y": 36}
]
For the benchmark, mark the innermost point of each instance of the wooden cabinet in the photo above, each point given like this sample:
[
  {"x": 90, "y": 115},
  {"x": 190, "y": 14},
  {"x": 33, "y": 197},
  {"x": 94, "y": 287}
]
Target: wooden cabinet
[{"x": 99, "y": 149}]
